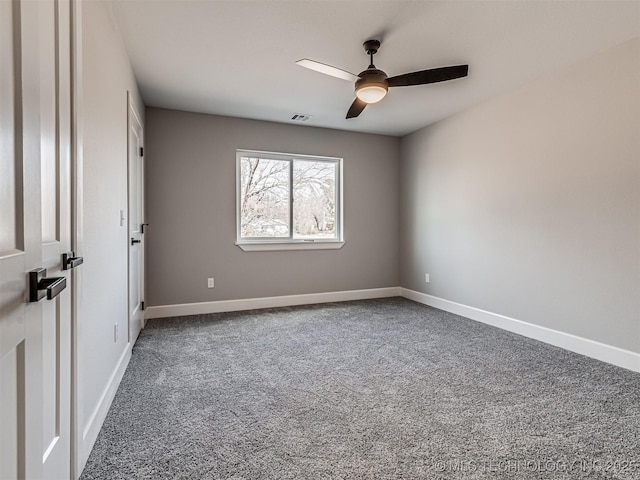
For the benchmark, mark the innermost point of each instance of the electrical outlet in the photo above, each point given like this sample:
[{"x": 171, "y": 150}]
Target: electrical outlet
[
  {"x": 426, "y": 278},
  {"x": 115, "y": 332},
  {"x": 210, "y": 283}
]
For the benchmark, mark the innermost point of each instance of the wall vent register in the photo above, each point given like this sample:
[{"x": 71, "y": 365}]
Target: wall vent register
[{"x": 300, "y": 117}]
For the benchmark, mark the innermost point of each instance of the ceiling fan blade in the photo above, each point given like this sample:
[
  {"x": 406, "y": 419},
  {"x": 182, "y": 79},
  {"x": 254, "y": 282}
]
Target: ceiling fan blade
[
  {"x": 432, "y": 75},
  {"x": 327, "y": 69},
  {"x": 356, "y": 108}
]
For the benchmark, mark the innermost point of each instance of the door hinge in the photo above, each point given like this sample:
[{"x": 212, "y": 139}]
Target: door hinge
[
  {"x": 142, "y": 305},
  {"x": 142, "y": 151}
]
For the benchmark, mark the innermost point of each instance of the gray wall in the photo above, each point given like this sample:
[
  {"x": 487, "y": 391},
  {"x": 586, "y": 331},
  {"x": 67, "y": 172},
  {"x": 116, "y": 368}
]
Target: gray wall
[
  {"x": 103, "y": 299},
  {"x": 190, "y": 205},
  {"x": 529, "y": 205}
]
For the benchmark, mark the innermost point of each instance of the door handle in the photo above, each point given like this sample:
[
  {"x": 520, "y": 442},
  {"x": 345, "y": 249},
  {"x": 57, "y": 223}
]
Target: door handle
[
  {"x": 134, "y": 241},
  {"x": 40, "y": 286},
  {"x": 70, "y": 261}
]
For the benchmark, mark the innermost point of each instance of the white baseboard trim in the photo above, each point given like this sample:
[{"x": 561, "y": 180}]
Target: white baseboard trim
[
  {"x": 94, "y": 424},
  {"x": 590, "y": 348},
  {"x": 163, "y": 311}
]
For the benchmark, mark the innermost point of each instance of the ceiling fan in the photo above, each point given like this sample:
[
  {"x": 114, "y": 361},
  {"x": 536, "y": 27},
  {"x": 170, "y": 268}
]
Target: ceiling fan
[{"x": 371, "y": 85}]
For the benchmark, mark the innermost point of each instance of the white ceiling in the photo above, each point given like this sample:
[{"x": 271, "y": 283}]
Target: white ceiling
[{"x": 237, "y": 57}]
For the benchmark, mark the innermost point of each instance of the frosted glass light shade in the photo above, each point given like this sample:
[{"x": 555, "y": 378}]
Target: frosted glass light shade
[{"x": 371, "y": 93}]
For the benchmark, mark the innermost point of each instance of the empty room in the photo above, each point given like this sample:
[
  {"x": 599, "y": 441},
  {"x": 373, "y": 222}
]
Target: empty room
[{"x": 319, "y": 239}]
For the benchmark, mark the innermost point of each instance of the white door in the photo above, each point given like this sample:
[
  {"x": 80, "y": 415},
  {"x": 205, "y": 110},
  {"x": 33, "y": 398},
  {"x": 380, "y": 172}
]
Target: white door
[
  {"x": 136, "y": 223},
  {"x": 35, "y": 230}
]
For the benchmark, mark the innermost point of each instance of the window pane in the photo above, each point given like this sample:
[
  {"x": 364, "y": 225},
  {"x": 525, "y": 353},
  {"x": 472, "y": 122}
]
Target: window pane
[
  {"x": 314, "y": 199},
  {"x": 264, "y": 200}
]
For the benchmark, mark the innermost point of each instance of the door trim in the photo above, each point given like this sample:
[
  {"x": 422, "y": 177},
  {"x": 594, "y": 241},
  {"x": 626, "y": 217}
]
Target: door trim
[{"x": 78, "y": 456}]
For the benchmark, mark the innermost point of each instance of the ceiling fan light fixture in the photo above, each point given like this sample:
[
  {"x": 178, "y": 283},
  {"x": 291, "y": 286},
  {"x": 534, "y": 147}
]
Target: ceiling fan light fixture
[
  {"x": 371, "y": 93},
  {"x": 372, "y": 85}
]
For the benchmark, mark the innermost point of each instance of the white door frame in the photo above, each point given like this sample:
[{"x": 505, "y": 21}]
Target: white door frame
[{"x": 77, "y": 239}]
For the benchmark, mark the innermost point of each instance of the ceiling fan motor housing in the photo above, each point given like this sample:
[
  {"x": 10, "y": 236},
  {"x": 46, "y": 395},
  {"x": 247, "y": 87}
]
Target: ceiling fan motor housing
[{"x": 371, "y": 80}]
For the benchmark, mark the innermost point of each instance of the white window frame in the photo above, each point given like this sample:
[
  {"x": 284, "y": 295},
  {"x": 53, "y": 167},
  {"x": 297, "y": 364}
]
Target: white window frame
[{"x": 290, "y": 243}]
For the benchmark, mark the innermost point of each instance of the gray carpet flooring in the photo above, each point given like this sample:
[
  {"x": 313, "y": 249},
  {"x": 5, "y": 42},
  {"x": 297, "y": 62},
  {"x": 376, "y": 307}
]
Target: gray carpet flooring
[{"x": 377, "y": 389}]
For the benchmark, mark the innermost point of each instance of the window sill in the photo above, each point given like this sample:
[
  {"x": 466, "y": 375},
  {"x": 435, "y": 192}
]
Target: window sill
[{"x": 275, "y": 246}]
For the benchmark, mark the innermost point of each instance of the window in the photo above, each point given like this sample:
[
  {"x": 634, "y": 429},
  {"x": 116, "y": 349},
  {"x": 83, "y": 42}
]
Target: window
[{"x": 288, "y": 202}]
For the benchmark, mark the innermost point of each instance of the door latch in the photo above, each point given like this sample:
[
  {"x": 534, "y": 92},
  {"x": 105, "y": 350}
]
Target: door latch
[{"x": 69, "y": 261}]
